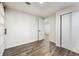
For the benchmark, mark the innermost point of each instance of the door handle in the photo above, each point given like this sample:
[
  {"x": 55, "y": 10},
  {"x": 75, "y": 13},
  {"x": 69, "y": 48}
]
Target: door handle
[
  {"x": 39, "y": 31},
  {"x": 5, "y": 31}
]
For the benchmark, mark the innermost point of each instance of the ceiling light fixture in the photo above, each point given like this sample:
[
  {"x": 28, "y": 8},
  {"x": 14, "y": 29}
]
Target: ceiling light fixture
[
  {"x": 41, "y": 2},
  {"x": 28, "y": 3}
]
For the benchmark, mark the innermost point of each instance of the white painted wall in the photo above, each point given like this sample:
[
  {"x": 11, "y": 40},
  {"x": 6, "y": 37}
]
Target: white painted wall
[
  {"x": 50, "y": 27},
  {"x": 21, "y": 28},
  {"x": 2, "y": 27}
]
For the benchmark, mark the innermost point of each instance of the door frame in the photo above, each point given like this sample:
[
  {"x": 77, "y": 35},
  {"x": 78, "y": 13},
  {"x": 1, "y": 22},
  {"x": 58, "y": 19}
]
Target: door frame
[
  {"x": 2, "y": 46},
  {"x": 61, "y": 27}
]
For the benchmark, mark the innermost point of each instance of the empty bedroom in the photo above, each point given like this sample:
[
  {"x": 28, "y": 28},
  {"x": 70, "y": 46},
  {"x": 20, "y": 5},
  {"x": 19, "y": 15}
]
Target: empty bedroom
[{"x": 39, "y": 28}]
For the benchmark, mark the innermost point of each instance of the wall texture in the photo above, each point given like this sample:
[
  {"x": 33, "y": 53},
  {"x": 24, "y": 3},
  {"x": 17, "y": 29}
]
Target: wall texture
[{"x": 21, "y": 28}]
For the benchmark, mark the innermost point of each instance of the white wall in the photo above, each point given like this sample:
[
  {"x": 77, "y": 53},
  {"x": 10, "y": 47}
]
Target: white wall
[
  {"x": 50, "y": 27},
  {"x": 21, "y": 28},
  {"x": 2, "y": 27}
]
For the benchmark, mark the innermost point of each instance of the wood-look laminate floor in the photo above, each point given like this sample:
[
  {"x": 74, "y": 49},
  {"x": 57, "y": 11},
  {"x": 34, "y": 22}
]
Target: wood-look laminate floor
[
  {"x": 59, "y": 51},
  {"x": 35, "y": 49}
]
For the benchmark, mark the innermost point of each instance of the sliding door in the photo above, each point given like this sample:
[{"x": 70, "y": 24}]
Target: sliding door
[
  {"x": 69, "y": 36},
  {"x": 65, "y": 36},
  {"x": 75, "y": 31}
]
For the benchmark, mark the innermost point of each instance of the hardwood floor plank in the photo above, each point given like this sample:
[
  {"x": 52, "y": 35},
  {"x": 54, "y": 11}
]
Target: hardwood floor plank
[
  {"x": 59, "y": 51},
  {"x": 37, "y": 49}
]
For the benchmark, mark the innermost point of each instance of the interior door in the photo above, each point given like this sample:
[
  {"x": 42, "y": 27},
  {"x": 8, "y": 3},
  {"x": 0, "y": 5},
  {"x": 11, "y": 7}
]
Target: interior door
[
  {"x": 1, "y": 30},
  {"x": 41, "y": 28},
  {"x": 66, "y": 31}
]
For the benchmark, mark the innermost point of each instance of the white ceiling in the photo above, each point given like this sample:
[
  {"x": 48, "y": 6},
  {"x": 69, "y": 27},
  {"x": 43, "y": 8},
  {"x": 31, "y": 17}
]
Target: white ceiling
[{"x": 48, "y": 8}]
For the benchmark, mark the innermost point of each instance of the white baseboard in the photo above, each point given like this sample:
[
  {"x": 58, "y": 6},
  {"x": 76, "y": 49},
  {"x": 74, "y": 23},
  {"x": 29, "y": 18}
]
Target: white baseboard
[{"x": 2, "y": 49}]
